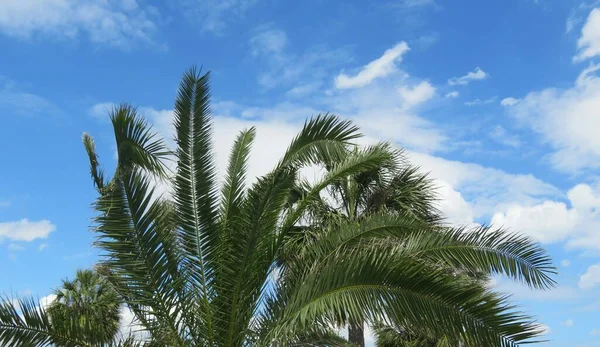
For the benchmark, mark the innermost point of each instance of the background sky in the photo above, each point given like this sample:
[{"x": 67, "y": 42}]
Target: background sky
[{"x": 498, "y": 100}]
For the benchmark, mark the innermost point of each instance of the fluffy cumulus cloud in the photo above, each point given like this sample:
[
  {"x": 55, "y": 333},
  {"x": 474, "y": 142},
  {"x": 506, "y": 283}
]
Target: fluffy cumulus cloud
[
  {"x": 417, "y": 94},
  {"x": 26, "y": 230},
  {"x": 509, "y": 101},
  {"x": 552, "y": 221},
  {"x": 453, "y": 94},
  {"x": 485, "y": 189},
  {"x": 380, "y": 67},
  {"x": 567, "y": 119},
  {"x": 475, "y": 75},
  {"x": 589, "y": 43},
  {"x": 467, "y": 192},
  {"x": 119, "y": 23},
  {"x": 591, "y": 278},
  {"x": 548, "y": 222}
]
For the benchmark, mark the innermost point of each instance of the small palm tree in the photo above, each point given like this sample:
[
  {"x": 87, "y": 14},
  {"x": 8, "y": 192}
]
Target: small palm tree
[
  {"x": 197, "y": 267},
  {"x": 90, "y": 303}
]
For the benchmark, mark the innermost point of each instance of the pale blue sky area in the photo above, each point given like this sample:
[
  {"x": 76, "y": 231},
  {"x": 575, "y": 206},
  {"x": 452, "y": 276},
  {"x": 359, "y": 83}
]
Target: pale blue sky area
[{"x": 498, "y": 100}]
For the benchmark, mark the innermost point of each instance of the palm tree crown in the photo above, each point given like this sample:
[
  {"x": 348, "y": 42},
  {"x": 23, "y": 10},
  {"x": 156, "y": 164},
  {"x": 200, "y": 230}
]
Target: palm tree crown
[{"x": 91, "y": 303}]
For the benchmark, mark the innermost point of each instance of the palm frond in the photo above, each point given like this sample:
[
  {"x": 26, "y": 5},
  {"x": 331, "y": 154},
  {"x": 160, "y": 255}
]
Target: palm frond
[
  {"x": 95, "y": 171},
  {"x": 24, "y": 323},
  {"x": 323, "y": 139},
  {"x": 195, "y": 190}
]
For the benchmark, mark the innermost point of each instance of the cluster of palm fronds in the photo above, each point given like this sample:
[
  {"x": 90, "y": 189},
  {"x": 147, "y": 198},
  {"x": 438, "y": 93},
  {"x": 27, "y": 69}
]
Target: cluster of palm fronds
[{"x": 284, "y": 261}]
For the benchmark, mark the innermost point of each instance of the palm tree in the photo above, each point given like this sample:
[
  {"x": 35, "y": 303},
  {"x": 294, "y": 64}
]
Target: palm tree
[
  {"x": 214, "y": 265},
  {"x": 91, "y": 303},
  {"x": 393, "y": 187}
]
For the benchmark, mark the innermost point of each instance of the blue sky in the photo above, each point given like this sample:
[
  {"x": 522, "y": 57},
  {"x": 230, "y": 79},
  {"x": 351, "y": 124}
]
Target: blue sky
[{"x": 498, "y": 100}]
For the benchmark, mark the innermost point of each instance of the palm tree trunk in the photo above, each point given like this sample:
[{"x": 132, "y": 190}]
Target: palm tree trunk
[{"x": 356, "y": 334}]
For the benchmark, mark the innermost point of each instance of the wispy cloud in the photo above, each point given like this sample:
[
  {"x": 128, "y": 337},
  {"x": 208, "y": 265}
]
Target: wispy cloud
[
  {"x": 15, "y": 247},
  {"x": 453, "y": 94},
  {"x": 15, "y": 101},
  {"x": 478, "y": 102},
  {"x": 589, "y": 43},
  {"x": 301, "y": 72},
  {"x": 380, "y": 67},
  {"x": 475, "y": 75},
  {"x": 214, "y": 15},
  {"x": 113, "y": 23},
  {"x": 501, "y": 135}
]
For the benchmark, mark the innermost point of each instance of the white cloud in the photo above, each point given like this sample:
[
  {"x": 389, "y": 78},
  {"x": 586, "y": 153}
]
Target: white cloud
[
  {"x": 567, "y": 120},
  {"x": 416, "y": 95},
  {"x": 101, "y": 110},
  {"x": 380, "y": 67},
  {"x": 549, "y": 222},
  {"x": 595, "y": 332},
  {"x": 304, "y": 89},
  {"x": 565, "y": 263},
  {"x": 416, "y": 3},
  {"x": 475, "y": 75},
  {"x": 107, "y": 22},
  {"x": 501, "y": 135},
  {"x": 42, "y": 246},
  {"x": 304, "y": 73},
  {"x": 509, "y": 101},
  {"x": 269, "y": 42},
  {"x": 453, "y": 94},
  {"x": 47, "y": 300},
  {"x": 568, "y": 323},
  {"x": 15, "y": 247},
  {"x": 486, "y": 189},
  {"x": 478, "y": 102},
  {"x": 589, "y": 43},
  {"x": 20, "y": 103},
  {"x": 545, "y": 329},
  {"x": 453, "y": 206},
  {"x": 26, "y": 230},
  {"x": 214, "y": 15},
  {"x": 591, "y": 278}
]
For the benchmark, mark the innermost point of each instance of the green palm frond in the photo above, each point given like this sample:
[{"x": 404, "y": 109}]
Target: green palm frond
[
  {"x": 233, "y": 187},
  {"x": 195, "y": 191},
  {"x": 137, "y": 145},
  {"x": 24, "y": 323},
  {"x": 323, "y": 139},
  {"x": 95, "y": 171}
]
